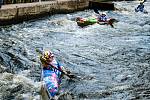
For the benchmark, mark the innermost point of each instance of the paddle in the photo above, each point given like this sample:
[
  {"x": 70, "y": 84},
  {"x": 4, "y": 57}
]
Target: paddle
[
  {"x": 144, "y": 1},
  {"x": 96, "y": 11},
  {"x": 64, "y": 72}
]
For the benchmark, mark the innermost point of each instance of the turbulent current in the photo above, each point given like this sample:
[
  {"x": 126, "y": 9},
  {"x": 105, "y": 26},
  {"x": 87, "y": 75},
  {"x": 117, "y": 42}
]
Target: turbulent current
[{"x": 113, "y": 63}]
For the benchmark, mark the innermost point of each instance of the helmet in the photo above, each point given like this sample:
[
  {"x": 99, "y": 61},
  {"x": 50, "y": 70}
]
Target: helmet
[
  {"x": 103, "y": 13},
  {"x": 78, "y": 18},
  {"x": 48, "y": 54}
]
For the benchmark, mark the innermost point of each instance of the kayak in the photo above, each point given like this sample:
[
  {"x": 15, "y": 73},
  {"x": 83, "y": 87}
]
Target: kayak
[
  {"x": 82, "y": 22},
  {"x": 50, "y": 85}
]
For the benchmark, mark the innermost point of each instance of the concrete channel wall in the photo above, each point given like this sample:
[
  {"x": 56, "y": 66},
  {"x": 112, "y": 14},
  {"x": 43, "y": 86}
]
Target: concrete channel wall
[{"x": 15, "y": 13}]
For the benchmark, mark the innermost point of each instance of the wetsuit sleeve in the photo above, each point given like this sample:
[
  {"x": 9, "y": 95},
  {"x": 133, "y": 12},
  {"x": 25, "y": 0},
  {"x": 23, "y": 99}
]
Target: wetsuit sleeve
[{"x": 60, "y": 67}]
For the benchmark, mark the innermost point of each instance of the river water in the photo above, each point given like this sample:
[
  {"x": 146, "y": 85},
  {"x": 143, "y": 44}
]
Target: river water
[{"x": 114, "y": 63}]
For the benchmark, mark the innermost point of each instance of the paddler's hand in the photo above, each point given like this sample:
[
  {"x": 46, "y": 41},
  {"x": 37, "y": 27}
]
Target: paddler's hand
[{"x": 68, "y": 72}]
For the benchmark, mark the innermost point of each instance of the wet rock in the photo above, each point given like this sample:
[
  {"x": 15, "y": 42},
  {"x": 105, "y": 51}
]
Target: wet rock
[
  {"x": 16, "y": 89},
  {"x": 2, "y": 69}
]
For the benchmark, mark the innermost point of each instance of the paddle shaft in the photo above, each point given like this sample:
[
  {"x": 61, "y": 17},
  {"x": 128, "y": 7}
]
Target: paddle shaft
[{"x": 58, "y": 69}]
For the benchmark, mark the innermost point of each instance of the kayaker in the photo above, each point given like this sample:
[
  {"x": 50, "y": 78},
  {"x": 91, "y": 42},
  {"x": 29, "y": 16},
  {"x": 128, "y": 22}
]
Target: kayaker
[
  {"x": 81, "y": 19},
  {"x": 140, "y": 7},
  {"x": 51, "y": 72},
  {"x": 103, "y": 17}
]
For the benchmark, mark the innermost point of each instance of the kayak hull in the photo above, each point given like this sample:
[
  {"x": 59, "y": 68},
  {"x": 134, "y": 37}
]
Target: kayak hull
[
  {"x": 50, "y": 84},
  {"x": 92, "y": 21},
  {"x": 89, "y": 21}
]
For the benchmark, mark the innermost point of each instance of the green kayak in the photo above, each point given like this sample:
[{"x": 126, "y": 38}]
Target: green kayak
[{"x": 86, "y": 21}]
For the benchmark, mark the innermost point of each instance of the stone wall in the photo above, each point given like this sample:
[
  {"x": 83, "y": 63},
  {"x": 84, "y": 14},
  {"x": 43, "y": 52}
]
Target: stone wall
[{"x": 12, "y": 14}]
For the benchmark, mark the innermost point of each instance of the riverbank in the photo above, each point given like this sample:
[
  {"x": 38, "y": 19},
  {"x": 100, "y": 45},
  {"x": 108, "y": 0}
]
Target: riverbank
[{"x": 15, "y": 13}]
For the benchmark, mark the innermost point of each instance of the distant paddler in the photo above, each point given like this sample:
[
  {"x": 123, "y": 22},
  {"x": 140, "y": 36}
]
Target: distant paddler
[
  {"x": 140, "y": 7},
  {"x": 103, "y": 18}
]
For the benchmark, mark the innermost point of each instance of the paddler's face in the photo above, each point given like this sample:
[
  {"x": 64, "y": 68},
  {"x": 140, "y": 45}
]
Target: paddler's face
[
  {"x": 50, "y": 59},
  {"x": 103, "y": 15}
]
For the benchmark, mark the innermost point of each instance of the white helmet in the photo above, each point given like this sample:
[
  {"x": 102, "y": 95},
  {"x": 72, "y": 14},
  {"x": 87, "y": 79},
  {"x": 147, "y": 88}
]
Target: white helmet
[{"x": 103, "y": 13}]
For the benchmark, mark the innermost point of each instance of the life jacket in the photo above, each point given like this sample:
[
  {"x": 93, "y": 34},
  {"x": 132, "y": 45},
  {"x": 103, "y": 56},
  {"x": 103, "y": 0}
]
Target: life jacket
[
  {"x": 47, "y": 66},
  {"x": 103, "y": 18},
  {"x": 140, "y": 8}
]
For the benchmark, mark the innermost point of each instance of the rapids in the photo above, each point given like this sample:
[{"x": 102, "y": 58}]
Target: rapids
[{"x": 114, "y": 62}]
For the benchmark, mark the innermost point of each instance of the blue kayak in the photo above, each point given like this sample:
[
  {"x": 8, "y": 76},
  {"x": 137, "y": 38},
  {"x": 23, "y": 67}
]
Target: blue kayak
[{"x": 51, "y": 82}]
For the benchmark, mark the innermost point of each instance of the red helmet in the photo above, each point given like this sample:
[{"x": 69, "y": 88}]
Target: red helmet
[{"x": 78, "y": 18}]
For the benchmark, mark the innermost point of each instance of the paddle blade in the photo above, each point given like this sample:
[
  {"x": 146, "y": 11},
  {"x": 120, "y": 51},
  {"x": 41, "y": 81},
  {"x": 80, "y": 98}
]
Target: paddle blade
[
  {"x": 39, "y": 51},
  {"x": 72, "y": 76},
  {"x": 96, "y": 10},
  {"x": 111, "y": 21},
  {"x": 67, "y": 73}
]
